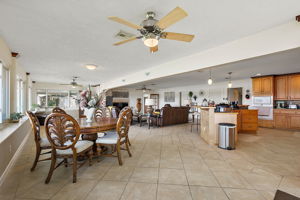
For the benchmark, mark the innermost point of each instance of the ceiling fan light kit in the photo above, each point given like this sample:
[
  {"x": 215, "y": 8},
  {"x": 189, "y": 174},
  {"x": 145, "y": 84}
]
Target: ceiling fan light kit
[
  {"x": 152, "y": 30},
  {"x": 91, "y": 67}
]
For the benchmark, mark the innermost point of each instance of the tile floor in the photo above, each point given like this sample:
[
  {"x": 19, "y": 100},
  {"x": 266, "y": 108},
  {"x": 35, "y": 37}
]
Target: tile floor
[{"x": 170, "y": 163}]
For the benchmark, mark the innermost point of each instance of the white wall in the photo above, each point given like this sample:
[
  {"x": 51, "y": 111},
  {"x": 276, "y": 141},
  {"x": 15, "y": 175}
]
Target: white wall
[{"x": 215, "y": 92}]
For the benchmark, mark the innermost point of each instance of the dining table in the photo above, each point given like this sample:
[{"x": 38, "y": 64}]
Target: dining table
[{"x": 89, "y": 130}]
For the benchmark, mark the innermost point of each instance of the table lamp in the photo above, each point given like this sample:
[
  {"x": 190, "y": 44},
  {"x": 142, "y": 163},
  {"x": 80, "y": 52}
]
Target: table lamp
[{"x": 150, "y": 103}]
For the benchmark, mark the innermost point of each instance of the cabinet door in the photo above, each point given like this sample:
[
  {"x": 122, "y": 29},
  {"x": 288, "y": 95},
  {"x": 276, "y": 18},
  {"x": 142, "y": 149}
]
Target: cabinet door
[
  {"x": 267, "y": 85},
  {"x": 280, "y": 121},
  {"x": 294, "y": 87},
  {"x": 281, "y": 89},
  {"x": 256, "y": 86},
  {"x": 294, "y": 121}
]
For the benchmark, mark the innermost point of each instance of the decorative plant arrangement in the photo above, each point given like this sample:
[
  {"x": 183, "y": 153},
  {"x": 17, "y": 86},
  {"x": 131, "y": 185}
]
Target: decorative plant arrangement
[
  {"x": 15, "y": 117},
  {"x": 89, "y": 102}
]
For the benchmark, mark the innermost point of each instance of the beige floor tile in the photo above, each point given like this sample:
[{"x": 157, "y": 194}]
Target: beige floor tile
[
  {"x": 173, "y": 192},
  {"x": 120, "y": 173},
  {"x": 172, "y": 176},
  {"x": 137, "y": 191},
  {"x": 218, "y": 165},
  {"x": 94, "y": 172},
  {"x": 146, "y": 175},
  {"x": 202, "y": 177},
  {"x": 232, "y": 180},
  {"x": 207, "y": 193},
  {"x": 111, "y": 190},
  {"x": 171, "y": 163},
  {"x": 291, "y": 185},
  {"x": 75, "y": 191},
  {"x": 243, "y": 194}
]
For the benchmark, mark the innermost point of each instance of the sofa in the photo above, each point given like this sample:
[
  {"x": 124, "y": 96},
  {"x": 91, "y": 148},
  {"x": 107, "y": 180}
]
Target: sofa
[{"x": 174, "y": 115}]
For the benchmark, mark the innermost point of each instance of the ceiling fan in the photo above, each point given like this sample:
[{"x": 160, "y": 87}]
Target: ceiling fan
[
  {"x": 144, "y": 89},
  {"x": 73, "y": 83},
  {"x": 152, "y": 30}
]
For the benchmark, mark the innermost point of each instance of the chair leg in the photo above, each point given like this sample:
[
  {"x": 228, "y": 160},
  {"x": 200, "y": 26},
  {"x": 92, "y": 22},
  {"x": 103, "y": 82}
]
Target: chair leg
[
  {"x": 66, "y": 162},
  {"x": 129, "y": 142},
  {"x": 52, "y": 166},
  {"x": 74, "y": 167},
  {"x": 37, "y": 156},
  {"x": 98, "y": 153},
  {"x": 119, "y": 153},
  {"x": 127, "y": 148}
]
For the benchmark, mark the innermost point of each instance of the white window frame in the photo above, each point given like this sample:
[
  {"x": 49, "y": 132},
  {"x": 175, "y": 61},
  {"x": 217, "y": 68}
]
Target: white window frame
[{"x": 7, "y": 91}]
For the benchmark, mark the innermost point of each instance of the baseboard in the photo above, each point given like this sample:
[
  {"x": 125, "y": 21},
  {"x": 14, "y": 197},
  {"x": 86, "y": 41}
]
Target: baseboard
[{"x": 14, "y": 158}]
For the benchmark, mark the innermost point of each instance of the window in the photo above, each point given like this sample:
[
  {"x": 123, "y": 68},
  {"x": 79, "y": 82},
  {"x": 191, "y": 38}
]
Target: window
[
  {"x": 4, "y": 93},
  {"x": 60, "y": 98}
]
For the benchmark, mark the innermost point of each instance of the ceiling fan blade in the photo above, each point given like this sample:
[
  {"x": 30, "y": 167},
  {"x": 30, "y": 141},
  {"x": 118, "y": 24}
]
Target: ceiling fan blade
[
  {"x": 154, "y": 49},
  {"x": 178, "y": 36},
  {"x": 125, "y": 41},
  {"x": 96, "y": 85},
  {"x": 172, "y": 17},
  {"x": 124, "y": 22},
  {"x": 65, "y": 84}
]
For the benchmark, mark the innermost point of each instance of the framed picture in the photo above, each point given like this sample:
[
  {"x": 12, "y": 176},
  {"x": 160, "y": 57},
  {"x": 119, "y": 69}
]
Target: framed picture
[{"x": 169, "y": 96}]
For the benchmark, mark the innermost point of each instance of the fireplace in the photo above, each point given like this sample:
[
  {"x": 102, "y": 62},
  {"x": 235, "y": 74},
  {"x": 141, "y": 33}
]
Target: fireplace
[{"x": 120, "y": 105}]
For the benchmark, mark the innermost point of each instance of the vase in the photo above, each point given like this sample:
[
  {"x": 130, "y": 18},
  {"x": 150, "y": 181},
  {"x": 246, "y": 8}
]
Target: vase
[
  {"x": 138, "y": 105},
  {"x": 89, "y": 113}
]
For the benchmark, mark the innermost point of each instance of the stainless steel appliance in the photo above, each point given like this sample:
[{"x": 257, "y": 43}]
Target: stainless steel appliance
[
  {"x": 227, "y": 136},
  {"x": 264, "y": 104}
]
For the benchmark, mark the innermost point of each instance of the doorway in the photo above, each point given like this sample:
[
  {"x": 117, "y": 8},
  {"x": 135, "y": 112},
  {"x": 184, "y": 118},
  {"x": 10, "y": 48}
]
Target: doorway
[{"x": 235, "y": 94}]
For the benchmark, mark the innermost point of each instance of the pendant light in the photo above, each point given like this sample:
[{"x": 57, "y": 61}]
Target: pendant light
[
  {"x": 210, "y": 81},
  {"x": 229, "y": 83}
]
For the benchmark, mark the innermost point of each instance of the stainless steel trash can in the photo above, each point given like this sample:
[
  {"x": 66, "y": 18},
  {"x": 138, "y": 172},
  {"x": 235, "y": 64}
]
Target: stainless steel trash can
[{"x": 227, "y": 136}]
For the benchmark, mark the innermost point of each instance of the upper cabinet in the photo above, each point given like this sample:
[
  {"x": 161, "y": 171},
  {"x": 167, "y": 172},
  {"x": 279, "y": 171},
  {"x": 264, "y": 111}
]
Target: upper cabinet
[
  {"x": 294, "y": 87},
  {"x": 281, "y": 88},
  {"x": 287, "y": 87},
  {"x": 262, "y": 86}
]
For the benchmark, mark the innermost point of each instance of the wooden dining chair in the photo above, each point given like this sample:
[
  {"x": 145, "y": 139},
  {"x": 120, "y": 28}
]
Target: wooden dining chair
[
  {"x": 63, "y": 133},
  {"x": 128, "y": 111},
  {"x": 107, "y": 112},
  {"x": 115, "y": 139},
  {"x": 58, "y": 110},
  {"x": 40, "y": 143},
  {"x": 99, "y": 113}
]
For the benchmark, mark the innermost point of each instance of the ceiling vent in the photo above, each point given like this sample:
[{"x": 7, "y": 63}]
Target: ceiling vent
[{"x": 122, "y": 35}]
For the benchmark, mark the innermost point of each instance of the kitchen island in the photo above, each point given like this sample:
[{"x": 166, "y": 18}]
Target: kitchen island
[{"x": 210, "y": 120}]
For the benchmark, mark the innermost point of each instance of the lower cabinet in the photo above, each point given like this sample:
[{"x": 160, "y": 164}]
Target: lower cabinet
[
  {"x": 294, "y": 121},
  {"x": 287, "y": 119},
  {"x": 280, "y": 121},
  {"x": 266, "y": 123}
]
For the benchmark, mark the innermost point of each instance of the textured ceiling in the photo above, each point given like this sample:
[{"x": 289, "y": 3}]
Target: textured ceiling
[
  {"x": 277, "y": 63},
  {"x": 57, "y": 38}
]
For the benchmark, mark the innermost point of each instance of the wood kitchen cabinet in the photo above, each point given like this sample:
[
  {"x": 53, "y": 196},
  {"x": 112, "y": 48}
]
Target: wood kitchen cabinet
[
  {"x": 287, "y": 87},
  {"x": 262, "y": 86},
  {"x": 281, "y": 88},
  {"x": 280, "y": 121},
  {"x": 294, "y": 122},
  {"x": 294, "y": 87}
]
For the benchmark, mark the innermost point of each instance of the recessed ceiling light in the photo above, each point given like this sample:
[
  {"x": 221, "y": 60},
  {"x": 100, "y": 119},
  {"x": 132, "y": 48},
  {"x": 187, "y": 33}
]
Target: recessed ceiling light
[
  {"x": 91, "y": 67},
  {"x": 258, "y": 74}
]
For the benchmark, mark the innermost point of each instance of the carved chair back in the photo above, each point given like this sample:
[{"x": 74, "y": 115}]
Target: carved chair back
[
  {"x": 58, "y": 110},
  {"x": 62, "y": 131},
  {"x": 35, "y": 124},
  {"x": 99, "y": 113},
  {"x": 124, "y": 122},
  {"x": 107, "y": 112}
]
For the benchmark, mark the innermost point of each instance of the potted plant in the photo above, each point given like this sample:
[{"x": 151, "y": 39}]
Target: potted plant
[
  {"x": 34, "y": 107},
  {"x": 15, "y": 117},
  {"x": 191, "y": 94}
]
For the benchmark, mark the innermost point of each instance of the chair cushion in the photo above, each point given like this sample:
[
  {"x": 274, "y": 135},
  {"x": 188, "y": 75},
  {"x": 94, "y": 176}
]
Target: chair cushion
[
  {"x": 111, "y": 137},
  {"x": 80, "y": 146},
  {"x": 44, "y": 142}
]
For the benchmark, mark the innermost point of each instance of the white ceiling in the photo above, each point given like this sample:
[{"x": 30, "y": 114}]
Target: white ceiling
[
  {"x": 57, "y": 38},
  {"x": 277, "y": 63}
]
